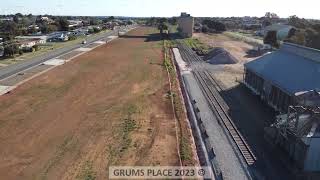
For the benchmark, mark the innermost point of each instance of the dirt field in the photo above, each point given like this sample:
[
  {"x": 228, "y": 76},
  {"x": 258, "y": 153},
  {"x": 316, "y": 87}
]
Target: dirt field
[
  {"x": 237, "y": 48},
  {"x": 106, "y": 107}
]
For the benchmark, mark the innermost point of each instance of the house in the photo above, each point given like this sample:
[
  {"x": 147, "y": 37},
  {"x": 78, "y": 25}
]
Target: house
[
  {"x": 41, "y": 39},
  {"x": 58, "y": 37},
  {"x": 186, "y": 25},
  {"x": 75, "y": 23},
  {"x": 47, "y": 20},
  {"x": 36, "y": 27},
  {"x": 6, "y": 19},
  {"x": 280, "y": 76},
  {"x": 27, "y": 44}
]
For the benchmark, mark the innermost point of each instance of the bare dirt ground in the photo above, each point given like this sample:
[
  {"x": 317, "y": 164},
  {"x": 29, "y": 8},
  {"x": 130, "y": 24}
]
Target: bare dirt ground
[
  {"x": 237, "y": 48},
  {"x": 106, "y": 107}
]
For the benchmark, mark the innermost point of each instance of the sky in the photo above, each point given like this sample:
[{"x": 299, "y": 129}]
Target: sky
[{"x": 163, "y": 8}]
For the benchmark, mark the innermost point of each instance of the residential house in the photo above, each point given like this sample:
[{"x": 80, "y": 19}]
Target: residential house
[
  {"x": 75, "y": 23},
  {"x": 41, "y": 39},
  {"x": 58, "y": 36}
]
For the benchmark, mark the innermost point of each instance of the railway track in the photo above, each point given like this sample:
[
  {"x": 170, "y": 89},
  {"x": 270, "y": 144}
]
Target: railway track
[
  {"x": 211, "y": 88},
  {"x": 218, "y": 105}
]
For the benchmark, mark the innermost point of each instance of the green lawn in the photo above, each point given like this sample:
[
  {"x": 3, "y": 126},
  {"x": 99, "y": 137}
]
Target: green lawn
[{"x": 250, "y": 39}]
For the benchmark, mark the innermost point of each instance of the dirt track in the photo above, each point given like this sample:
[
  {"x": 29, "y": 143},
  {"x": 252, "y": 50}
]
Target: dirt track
[{"x": 107, "y": 107}]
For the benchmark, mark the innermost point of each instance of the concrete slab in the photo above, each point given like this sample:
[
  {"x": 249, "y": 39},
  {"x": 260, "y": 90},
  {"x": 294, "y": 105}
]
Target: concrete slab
[
  {"x": 183, "y": 66},
  {"x": 84, "y": 49},
  {"x": 54, "y": 62},
  {"x": 100, "y": 42},
  {"x": 6, "y": 89}
]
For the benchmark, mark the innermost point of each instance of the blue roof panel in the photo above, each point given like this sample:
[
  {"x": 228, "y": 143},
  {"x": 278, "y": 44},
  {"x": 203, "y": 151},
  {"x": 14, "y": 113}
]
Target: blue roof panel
[{"x": 291, "y": 72}]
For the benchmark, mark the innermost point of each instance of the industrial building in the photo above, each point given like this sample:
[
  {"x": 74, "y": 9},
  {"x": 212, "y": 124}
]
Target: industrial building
[
  {"x": 296, "y": 134},
  {"x": 288, "y": 81},
  {"x": 279, "y": 76},
  {"x": 185, "y": 25}
]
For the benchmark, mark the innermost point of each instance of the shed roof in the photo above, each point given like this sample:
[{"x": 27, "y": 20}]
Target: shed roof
[{"x": 292, "y": 68}]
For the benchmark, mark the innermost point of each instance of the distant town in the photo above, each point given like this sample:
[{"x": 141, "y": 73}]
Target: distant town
[
  {"x": 109, "y": 97},
  {"x": 28, "y": 33}
]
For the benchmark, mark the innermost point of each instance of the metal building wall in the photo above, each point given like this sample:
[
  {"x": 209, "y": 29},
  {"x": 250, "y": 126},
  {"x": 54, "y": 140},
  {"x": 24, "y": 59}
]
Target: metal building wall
[{"x": 268, "y": 92}]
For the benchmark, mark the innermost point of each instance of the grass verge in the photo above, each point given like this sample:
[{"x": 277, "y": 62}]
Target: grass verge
[
  {"x": 185, "y": 143},
  {"x": 240, "y": 37}
]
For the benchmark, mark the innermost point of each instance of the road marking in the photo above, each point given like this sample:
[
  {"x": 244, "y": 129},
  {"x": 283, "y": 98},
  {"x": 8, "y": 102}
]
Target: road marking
[
  {"x": 83, "y": 49},
  {"x": 55, "y": 62},
  {"x": 99, "y": 42}
]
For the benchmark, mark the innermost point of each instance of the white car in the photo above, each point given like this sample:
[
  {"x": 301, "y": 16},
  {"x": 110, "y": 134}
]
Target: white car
[{"x": 84, "y": 42}]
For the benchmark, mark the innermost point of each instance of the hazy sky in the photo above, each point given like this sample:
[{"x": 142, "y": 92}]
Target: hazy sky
[{"x": 221, "y": 8}]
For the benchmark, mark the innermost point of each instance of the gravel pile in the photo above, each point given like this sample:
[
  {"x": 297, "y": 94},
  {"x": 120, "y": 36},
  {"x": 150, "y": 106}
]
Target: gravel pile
[{"x": 220, "y": 56}]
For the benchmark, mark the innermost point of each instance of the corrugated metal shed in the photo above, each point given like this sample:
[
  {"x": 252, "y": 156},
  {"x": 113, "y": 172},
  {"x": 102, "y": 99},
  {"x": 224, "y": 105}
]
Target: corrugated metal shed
[{"x": 293, "y": 68}]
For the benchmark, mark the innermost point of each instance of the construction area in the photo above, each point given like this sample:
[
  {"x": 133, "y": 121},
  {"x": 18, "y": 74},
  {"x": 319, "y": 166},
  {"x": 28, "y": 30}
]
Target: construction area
[
  {"x": 103, "y": 108},
  {"x": 257, "y": 115}
]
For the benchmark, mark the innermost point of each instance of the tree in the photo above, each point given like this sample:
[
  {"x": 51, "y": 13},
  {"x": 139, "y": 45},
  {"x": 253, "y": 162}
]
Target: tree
[
  {"x": 111, "y": 18},
  {"x": 96, "y": 29},
  {"x": 297, "y": 22},
  {"x": 10, "y": 28},
  {"x": 205, "y": 29},
  {"x": 162, "y": 27},
  {"x": 312, "y": 38},
  {"x": 271, "y": 38},
  {"x": 151, "y": 21},
  {"x": 36, "y": 47},
  {"x": 10, "y": 50},
  {"x": 270, "y": 15},
  {"x": 48, "y": 28},
  {"x": 63, "y": 24},
  {"x": 214, "y": 25},
  {"x": 173, "y": 21}
]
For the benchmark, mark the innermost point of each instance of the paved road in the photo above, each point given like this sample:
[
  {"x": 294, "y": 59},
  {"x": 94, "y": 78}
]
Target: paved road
[{"x": 16, "y": 68}]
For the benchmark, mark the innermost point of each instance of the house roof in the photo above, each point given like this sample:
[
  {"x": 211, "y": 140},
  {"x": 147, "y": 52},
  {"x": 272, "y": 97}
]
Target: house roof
[{"x": 292, "y": 68}]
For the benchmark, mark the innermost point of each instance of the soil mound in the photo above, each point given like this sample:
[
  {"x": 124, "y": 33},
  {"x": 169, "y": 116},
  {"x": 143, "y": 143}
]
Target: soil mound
[{"x": 220, "y": 56}]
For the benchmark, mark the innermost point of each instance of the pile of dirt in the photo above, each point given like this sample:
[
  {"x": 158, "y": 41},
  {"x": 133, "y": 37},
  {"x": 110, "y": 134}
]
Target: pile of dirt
[{"x": 220, "y": 56}]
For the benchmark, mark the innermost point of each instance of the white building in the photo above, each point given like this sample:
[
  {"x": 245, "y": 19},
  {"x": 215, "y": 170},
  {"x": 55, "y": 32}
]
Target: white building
[{"x": 41, "y": 39}]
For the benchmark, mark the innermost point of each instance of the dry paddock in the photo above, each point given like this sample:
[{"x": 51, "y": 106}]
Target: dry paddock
[{"x": 106, "y": 107}]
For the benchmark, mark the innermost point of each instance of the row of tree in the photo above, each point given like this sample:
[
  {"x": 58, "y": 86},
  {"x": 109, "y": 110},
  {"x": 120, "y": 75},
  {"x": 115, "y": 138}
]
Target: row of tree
[
  {"x": 210, "y": 25},
  {"x": 306, "y": 33}
]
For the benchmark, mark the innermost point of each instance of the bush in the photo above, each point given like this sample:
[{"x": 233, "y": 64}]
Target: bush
[
  {"x": 71, "y": 38},
  {"x": 205, "y": 29},
  {"x": 96, "y": 30},
  {"x": 36, "y": 47}
]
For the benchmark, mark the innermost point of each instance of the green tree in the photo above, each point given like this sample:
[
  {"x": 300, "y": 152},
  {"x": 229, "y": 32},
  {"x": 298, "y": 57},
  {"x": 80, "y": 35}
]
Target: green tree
[
  {"x": 111, "y": 18},
  {"x": 162, "y": 27},
  {"x": 214, "y": 25},
  {"x": 10, "y": 50},
  {"x": 63, "y": 24}
]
